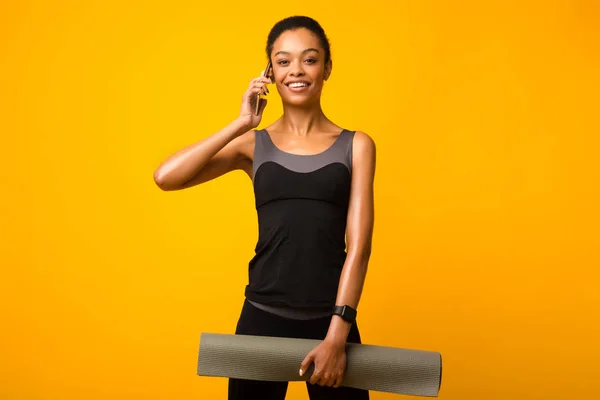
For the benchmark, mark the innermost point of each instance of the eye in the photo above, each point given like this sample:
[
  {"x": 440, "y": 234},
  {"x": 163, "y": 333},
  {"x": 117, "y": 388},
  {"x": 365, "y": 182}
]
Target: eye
[
  {"x": 282, "y": 62},
  {"x": 311, "y": 60}
]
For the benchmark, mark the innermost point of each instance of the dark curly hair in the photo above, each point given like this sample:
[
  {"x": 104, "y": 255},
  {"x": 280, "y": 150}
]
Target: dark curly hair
[{"x": 295, "y": 22}]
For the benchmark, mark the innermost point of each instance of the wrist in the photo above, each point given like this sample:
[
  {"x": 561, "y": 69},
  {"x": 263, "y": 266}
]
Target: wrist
[
  {"x": 336, "y": 340},
  {"x": 338, "y": 330},
  {"x": 241, "y": 125},
  {"x": 346, "y": 312}
]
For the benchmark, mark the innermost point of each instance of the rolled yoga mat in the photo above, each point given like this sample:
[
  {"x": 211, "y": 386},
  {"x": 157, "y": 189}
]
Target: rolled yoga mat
[{"x": 376, "y": 368}]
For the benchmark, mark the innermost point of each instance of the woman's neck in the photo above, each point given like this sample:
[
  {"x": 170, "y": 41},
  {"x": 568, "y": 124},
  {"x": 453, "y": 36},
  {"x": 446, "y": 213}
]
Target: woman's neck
[{"x": 302, "y": 121}]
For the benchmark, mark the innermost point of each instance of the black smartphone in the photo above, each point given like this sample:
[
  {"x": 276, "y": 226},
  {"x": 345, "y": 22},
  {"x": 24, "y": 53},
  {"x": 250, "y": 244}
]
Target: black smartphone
[{"x": 266, "y": 73}]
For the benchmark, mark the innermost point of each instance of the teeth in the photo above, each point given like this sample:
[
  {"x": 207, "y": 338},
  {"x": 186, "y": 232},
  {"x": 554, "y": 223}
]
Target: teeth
[{"x": 297, "y": 84}]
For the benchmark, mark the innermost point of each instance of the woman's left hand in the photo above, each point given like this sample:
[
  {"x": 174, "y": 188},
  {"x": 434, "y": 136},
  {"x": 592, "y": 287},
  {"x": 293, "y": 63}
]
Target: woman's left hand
[{"x": 329, "y": 358}]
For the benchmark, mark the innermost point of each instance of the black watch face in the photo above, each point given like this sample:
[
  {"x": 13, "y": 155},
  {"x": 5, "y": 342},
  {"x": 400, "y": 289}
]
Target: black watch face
[
  {"x": 352, "y": 313},
  {"x": 348, "y": 313}
]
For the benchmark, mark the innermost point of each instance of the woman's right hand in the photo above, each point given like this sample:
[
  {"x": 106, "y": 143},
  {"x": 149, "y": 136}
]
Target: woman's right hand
[{"x": 247, "y": 116}]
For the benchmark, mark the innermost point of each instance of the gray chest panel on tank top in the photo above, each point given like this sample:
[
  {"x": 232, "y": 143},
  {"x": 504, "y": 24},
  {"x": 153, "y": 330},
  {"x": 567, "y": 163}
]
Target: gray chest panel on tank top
[{"x": 264, "y": 151}]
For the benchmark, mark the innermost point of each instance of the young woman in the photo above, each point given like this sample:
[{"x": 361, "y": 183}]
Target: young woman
[{"x": 313, "y": 185}]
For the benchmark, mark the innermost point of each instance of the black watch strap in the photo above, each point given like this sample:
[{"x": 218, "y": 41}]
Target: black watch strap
[{"x": 346, "y": 312}]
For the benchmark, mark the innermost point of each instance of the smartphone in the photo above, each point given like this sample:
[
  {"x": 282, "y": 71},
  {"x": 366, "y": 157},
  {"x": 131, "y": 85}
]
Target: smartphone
[{"x": 266, "y": 73}]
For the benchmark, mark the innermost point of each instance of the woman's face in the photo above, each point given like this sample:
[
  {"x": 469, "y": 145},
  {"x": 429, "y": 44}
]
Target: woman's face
[{"x": 299, "y": 66}]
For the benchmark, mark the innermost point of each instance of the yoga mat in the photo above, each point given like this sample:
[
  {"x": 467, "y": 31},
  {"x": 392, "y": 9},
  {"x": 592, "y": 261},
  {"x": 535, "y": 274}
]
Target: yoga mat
[{"x": 376, "y": 368}]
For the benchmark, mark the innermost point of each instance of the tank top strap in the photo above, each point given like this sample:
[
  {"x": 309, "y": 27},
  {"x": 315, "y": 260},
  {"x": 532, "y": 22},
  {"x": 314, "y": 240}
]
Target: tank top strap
[
  {"x": 261, "y": 148},
  {"x": 342, "y": 148}
]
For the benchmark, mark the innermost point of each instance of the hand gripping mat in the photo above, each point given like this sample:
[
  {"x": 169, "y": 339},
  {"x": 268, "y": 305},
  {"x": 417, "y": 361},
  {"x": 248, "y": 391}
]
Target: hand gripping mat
[{"x": 376, "y": 368}]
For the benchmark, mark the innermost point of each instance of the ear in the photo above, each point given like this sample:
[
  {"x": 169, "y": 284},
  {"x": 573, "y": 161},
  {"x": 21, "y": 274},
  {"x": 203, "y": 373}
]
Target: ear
[
  {"x": 271, "y": 74},
  {"x": 328, "y": 68}
]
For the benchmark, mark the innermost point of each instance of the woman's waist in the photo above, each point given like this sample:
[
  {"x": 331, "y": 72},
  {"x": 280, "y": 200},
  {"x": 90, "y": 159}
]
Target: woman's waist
[
  {"x": 299, "y": 313},
  {"x": 302, "y": 230}
]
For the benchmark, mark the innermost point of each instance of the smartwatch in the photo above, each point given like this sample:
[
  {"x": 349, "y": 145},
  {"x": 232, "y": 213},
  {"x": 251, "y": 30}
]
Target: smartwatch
[{"x": 346, "y": 312}]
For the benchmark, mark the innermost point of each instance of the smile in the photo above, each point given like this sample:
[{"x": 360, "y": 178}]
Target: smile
[{"x": 297, "y": 86}]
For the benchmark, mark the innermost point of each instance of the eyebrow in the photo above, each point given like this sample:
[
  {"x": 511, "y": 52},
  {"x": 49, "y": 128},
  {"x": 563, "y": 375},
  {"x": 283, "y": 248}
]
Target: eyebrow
[{"x": 303, "y": 52}]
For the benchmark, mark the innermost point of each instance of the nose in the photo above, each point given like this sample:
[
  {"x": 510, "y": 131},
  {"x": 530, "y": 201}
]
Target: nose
[{"x": 296, "y": 69}]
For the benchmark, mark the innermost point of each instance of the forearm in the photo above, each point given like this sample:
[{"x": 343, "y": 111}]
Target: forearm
[
  {"x": 180, "y": 167},
  {"x": 349, "y": 293}
]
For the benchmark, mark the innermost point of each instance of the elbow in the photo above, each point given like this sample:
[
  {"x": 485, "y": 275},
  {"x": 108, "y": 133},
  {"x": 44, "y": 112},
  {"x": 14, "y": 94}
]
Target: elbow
[
  {"x": 158, "y": 178},
  {"x": 361, "y": 254},
  {"x": 365, "y": 250},
  {"x": 366, "y": 255},
  {"x": 161, "y": 180}
]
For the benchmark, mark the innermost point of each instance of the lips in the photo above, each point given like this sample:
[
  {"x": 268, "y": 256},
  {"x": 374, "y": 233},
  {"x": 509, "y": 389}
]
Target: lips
[{"x": 297, "y": 86}]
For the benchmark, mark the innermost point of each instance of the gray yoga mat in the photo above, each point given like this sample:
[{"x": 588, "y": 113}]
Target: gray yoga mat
[{"x": 376, "y": 368}]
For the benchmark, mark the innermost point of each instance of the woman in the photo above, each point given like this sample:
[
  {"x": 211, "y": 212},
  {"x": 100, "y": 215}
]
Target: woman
[{"x": 313, "y": 184}]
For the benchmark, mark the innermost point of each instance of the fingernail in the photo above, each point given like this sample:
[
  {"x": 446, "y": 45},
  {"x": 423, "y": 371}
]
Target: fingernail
[{"x": 301, "y": 372}]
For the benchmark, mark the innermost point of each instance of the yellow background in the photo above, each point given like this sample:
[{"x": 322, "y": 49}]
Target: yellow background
[{"x": 486, "y": 244}]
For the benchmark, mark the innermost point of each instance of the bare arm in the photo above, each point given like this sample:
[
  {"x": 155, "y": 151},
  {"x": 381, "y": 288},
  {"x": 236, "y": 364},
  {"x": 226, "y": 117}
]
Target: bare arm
[
  {"x": 217, "y": 154},
  {"x": 205, "y": 160},
  {"x": 359, "y": 232},
  {"x": 329, "y": 356}
]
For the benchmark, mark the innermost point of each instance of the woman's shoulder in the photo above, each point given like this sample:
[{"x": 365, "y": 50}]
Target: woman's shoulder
[
  {"x": 363, "y": 141},
  {"x": 363, "y": 149}
]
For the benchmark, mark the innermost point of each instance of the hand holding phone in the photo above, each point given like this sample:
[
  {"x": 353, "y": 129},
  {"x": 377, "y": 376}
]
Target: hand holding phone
[
  {"x": 266, "y": 73},
  {"x": 252, "y": 104}
]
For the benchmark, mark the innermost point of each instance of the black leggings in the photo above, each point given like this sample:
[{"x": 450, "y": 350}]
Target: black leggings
[{"x": 254, "y": 321}]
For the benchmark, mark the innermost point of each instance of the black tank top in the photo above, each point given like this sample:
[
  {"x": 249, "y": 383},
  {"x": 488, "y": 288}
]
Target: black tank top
[{"x": 302, "y": 205}]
